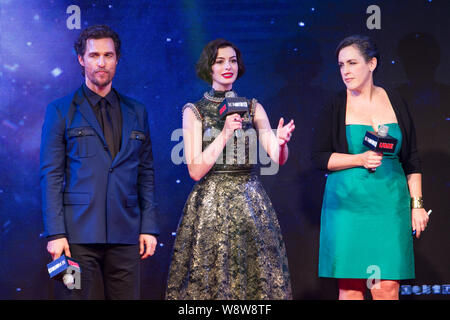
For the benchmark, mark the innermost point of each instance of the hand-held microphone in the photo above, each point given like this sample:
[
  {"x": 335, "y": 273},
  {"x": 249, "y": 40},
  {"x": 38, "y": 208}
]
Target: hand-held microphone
[
  {"x": 380, "y": 142},
  {"x": 66, "y": 270},
  {"x": 233, "y": 104}
]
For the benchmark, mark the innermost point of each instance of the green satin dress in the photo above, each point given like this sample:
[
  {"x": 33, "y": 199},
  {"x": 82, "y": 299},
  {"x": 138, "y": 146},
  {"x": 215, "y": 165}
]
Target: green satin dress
[{"x": 366, "y": 218}]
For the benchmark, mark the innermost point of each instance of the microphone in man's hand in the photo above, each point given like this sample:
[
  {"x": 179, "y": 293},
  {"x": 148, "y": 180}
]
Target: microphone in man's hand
[
  {"x": 231, "y": 105},
  {"x": 380, "y": 142},
  {"x": 66, "y": 270}
]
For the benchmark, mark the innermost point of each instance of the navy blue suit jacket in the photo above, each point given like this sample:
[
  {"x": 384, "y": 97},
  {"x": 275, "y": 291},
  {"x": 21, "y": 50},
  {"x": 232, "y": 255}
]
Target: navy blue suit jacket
[{"x": 85, "y": 194}]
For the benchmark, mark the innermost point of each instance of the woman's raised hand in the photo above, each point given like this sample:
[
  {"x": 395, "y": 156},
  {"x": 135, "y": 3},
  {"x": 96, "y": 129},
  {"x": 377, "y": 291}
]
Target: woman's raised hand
[{"x": 284, "y": 133}]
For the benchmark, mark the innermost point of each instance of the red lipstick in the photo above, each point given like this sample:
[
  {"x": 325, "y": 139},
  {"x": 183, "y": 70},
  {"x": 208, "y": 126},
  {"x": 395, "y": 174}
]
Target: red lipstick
[{"x": 227, "y": 75}]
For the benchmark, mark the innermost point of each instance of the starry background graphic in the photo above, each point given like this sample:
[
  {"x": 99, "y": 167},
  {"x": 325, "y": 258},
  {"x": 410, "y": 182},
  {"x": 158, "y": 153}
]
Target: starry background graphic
[{"x": 288, "y": 48}]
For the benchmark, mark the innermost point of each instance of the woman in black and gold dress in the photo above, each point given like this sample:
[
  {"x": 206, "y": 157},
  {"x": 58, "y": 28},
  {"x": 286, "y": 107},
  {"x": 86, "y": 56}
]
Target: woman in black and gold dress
[{"x": 229, "y": 243}]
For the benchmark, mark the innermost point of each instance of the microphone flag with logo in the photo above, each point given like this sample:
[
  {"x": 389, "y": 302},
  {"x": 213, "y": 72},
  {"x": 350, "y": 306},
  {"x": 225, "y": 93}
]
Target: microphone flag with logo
[
  {"x": 233, "y": 104},
  {"x": 380, "y": 141},
  {"x": 67, "y": 270}
]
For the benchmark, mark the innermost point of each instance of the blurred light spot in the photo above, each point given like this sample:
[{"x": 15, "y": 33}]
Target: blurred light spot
[
  {"x": 11, "y": 68},
  {"x": 9, "y": 124},
  {"x": 56, "y": 72}
]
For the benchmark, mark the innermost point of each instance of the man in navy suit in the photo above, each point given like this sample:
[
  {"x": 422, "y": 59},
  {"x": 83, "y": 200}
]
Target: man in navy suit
[{"x": 97, "y": 177}]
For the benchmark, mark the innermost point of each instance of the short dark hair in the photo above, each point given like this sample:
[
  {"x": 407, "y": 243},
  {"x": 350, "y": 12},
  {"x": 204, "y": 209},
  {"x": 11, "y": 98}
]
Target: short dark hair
[
  {"x": 99, "y": 31},
  {"x": 365, "y": 45},
  {"x": 209, "y": 55}
]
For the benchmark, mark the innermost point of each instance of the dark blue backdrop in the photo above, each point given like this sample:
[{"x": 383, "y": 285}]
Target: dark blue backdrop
[{"x": 288, "y": 48}]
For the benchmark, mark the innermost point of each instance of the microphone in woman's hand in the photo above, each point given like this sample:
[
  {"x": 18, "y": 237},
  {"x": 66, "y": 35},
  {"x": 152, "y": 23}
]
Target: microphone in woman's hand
[
  {"x": 233, "y": 104},
  {"x": 414, "y": 231},
  {"x": 380, "y": 142}
]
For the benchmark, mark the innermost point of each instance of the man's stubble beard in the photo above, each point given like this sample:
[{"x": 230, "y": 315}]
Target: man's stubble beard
[{"x": 100, "y": 83}]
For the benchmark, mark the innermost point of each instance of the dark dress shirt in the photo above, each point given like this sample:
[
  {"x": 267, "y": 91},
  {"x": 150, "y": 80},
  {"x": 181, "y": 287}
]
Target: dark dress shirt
[{"x": 114, "y": 111}]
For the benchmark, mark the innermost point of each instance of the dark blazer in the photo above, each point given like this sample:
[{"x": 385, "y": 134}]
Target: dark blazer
[
  {"x": 330, "y": 134},
  {"x": 85, "y": 194}
]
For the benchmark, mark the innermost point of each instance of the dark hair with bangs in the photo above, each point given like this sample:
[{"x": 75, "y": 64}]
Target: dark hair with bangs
[{"x": 208, "y": 58}]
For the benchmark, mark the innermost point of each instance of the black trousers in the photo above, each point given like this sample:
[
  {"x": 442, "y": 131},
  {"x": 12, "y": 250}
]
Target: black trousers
[{"x": 108, "y": 271}]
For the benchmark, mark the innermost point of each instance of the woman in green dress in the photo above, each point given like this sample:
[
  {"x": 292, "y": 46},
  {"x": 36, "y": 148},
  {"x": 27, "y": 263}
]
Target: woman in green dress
[
  {"x": 367, "y": 217},
  {"x": 229, "y": 243}
]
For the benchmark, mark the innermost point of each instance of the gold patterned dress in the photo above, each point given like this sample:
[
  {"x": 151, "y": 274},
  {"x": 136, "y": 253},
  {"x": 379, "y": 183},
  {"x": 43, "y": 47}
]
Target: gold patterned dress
[{"x": 228, "y": 243}]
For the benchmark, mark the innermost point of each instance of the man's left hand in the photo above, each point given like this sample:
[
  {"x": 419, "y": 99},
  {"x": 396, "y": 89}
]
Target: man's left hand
[{"x": 147, "y": 245}]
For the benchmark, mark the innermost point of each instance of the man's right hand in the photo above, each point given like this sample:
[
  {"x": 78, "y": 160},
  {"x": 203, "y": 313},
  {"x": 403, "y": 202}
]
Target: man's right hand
[{"x": 57, "y": 246}]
